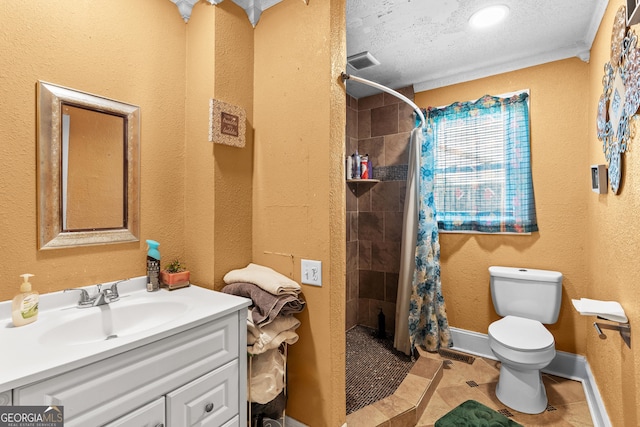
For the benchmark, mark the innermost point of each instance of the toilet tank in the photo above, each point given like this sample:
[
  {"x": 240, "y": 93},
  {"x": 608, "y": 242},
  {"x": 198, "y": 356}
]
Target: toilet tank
[{"x": 525, "y": 292}]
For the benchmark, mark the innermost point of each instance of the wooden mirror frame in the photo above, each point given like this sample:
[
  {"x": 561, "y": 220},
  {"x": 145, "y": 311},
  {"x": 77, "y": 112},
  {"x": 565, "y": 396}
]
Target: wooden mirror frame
[{"x": 51, "y": 235}]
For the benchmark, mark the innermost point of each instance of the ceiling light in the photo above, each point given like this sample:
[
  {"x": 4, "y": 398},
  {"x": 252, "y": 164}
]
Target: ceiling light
[{"x": 489, "y": 16}]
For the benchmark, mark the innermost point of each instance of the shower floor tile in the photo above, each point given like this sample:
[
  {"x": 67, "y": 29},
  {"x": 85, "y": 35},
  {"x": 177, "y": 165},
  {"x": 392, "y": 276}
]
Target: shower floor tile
[{"x": 374, "y": 368}]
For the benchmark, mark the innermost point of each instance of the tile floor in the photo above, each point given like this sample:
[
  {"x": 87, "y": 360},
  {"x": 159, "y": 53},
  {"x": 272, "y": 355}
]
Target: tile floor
[
  {"x": 461, "y": 381},
  {"x": 437, "y": 384}
]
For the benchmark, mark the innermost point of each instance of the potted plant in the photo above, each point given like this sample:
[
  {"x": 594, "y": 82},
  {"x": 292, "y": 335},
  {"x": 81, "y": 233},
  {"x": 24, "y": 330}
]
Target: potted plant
[{"x": 175, "y": 275}]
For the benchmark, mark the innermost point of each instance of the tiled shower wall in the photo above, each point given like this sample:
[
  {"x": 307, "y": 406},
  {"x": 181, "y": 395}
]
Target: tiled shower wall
[{"x": 380, "y": 126}]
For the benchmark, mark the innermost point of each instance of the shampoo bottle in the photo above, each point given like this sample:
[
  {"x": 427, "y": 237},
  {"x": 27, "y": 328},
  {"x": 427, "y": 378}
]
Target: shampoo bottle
[
  {"x": 364, "y": 166},
  {"x": 153, "y": 266},
  {"x": 24, "y": 307}
]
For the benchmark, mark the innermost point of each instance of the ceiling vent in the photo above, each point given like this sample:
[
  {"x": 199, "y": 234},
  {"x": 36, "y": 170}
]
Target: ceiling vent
[{"x": 362, "y": 60}]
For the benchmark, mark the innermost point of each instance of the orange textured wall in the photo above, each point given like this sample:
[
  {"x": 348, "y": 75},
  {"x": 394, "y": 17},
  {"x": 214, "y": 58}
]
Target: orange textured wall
[
  {"x": 234, "y": 166},
  {"x": 613, "y": 247},
  {"x": 199, "y": 200},
  {"x": 559, "y": 134},
  {"x": 298, "y": 191},
  {"x": 218, "y": 178},
  {"x": 128, "y": 51}
]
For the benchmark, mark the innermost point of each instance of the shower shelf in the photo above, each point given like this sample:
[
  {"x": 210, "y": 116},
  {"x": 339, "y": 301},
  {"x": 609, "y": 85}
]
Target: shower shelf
[
  {"x": 372, "y": 181},
  {"x": 363, "y": 185}
]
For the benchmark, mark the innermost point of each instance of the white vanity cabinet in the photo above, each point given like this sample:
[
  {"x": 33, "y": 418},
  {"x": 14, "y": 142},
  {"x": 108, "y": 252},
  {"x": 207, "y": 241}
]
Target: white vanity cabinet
[{"x": 193, "y": 378}]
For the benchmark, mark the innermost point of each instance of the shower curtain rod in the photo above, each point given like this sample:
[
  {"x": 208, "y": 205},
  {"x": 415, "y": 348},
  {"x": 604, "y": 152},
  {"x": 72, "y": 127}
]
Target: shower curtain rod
[{"x": 346, "y": 76}]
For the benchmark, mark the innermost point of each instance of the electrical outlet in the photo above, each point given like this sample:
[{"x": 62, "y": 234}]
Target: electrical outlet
[{"x": 311, "y": 272}]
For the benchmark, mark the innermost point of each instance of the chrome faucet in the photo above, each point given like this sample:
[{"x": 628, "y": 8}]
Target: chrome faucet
[{"x": 102, "y": 297}]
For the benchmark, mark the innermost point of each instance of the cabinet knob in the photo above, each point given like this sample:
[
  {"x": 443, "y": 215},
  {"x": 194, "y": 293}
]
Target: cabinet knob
[
  {"x": 159, "y": 425},
  {"x": 209, "y": 407}
]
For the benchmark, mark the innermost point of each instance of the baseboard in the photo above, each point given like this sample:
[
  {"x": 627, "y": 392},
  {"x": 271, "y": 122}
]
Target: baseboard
[
  {"x": 471, "y": 342},
  {"x": 594, "y": 399},
  {"x": 565, "y": 365}
]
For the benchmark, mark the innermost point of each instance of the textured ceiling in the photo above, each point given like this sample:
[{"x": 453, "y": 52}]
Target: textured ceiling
[{"x": 429, "y": 43}]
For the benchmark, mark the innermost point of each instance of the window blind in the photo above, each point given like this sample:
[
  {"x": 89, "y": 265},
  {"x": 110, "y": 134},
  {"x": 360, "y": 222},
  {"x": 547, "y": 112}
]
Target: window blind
[{"x": 482, "y": 175}]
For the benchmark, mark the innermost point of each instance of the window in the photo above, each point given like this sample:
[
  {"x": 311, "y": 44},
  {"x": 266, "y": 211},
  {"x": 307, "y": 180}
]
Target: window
[{"x": 482, "y": 176}]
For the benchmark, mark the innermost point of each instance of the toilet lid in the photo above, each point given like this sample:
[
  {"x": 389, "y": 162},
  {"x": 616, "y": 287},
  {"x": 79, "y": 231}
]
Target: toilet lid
[{"x": 521, "y": 334}]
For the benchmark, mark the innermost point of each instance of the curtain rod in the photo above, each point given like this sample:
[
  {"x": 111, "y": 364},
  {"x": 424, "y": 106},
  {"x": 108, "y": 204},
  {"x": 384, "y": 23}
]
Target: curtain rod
[{"x": 346, "y": 76}]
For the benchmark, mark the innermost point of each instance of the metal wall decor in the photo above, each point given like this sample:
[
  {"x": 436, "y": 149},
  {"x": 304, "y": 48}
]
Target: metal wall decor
[
  {"x": 253, "y": 8},
  {"x": 620, "y": 97}
]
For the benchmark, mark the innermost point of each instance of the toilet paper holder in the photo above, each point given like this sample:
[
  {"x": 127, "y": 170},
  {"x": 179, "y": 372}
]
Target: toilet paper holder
[{"x": 623, "y": 328}]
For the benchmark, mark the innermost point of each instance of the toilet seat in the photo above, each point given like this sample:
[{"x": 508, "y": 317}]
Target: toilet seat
[{"x": 518, "y": 333}]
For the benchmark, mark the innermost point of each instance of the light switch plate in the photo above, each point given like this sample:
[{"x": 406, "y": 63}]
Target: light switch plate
[{"x": 311, "y": 273}]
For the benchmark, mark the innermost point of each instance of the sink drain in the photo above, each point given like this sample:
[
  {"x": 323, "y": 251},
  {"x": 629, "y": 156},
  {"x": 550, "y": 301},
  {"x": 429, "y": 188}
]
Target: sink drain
[{"x": 110, "y": 337}]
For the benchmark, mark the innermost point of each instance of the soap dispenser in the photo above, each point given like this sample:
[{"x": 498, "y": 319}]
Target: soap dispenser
[{"x": 24, "y": 307}]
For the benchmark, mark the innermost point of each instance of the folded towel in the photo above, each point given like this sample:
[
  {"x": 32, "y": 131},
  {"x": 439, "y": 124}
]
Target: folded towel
[
  {"x": 610, "y": 310},
  {"x": 264, "y": 277},
  {"x": 266, "y": 306},
  {"x": 270, "y": 336},
  {"x": 267, "y": 376}
]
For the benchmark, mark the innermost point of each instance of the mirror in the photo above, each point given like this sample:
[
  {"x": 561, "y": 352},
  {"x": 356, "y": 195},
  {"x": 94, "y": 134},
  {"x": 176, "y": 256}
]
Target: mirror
[{"x": 88, "y": 169}]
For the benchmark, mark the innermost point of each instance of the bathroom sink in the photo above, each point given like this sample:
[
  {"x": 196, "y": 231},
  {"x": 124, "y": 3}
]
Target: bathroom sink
[
  {"x": 110, "y": 321},
  {"x": 66, "y": 337}
]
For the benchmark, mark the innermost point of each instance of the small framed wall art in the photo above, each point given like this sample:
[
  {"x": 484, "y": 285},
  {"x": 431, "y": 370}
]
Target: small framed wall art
[{"x": 227, "y": 123}]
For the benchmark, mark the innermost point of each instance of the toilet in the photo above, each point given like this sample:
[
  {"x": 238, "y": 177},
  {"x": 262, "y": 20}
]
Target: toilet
[{"x": 526, "y": 299}]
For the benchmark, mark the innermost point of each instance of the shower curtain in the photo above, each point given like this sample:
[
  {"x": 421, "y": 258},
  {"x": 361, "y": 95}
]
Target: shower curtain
[
  {"x": 401, "y": 340},
  {"x": 421, "y": 315}
]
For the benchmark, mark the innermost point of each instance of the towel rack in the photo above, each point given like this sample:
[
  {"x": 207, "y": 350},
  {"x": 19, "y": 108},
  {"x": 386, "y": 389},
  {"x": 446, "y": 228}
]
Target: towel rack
[{"x": 270, "y": 423}]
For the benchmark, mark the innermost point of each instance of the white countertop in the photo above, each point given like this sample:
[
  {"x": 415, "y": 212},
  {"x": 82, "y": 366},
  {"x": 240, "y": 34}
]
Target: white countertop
[{"x": 30, "y": 353}]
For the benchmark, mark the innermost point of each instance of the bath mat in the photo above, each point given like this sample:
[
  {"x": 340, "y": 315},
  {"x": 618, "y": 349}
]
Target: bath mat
[{"x": 474, "y": 414}]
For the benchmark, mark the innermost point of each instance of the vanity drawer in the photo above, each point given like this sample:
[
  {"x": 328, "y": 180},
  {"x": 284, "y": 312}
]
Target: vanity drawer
[
  {"x": 151, "y": 415},
  {"x": 105, "y": 390},
  {"x": 208, "y": 401}
]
